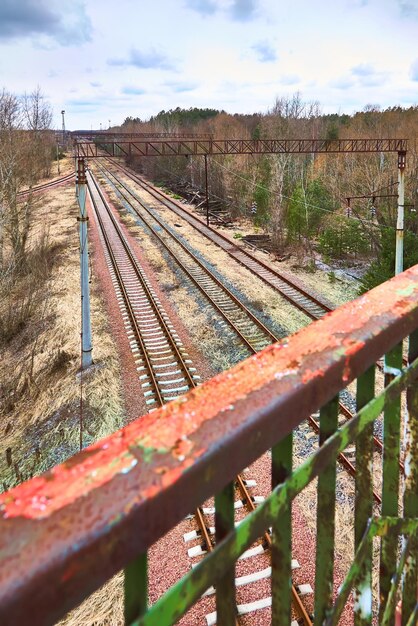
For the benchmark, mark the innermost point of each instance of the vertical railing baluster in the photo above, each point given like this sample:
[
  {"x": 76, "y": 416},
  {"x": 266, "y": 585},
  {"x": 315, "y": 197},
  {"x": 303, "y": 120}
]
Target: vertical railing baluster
[
  {"x": 225, "y": 587},
  {"x": 409, "y": 595},
  {"x": 364, "y": 502},
  {"x": 136, "y": 589},
  {"x": 390, "y": 475},
  {"x": 325, "y": 526},
  {"x": 281, "y": 547}
]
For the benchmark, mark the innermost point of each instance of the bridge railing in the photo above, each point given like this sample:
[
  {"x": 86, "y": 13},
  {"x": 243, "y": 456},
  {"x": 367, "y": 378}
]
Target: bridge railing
[{"x": 65, "y": 533}]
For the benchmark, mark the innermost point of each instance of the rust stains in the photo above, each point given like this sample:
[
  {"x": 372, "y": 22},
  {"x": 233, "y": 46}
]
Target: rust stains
[{"x": 167, "y": 442}]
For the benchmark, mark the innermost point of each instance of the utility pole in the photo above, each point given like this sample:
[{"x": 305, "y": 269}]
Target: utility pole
[
  {"x": 58, "y": 157},
  {"x": 63, "y": 128},
  {"x": 86, "y": 344},
  {"x": 206, "y": 186},
  {"x": 400, "y": 220}
]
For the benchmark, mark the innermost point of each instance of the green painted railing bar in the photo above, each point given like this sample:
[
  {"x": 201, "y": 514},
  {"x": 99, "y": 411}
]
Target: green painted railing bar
[
  {"x": 188, "y": 590},
  {"x": 390, "y": 474},
  {"x": 376, "y": 527},
  {"x": 281, "y": 546},
  {"x": 136, "y": 589},
  {"x": 352, "y": 576},
  {"x": 411, "y": 484},
  {"x": 100, "y": 512},
  {"x": 389, "y": 604},
  {"x": 413, "y": 620},
  {"x": 325, "y": 526},
  {"x": 225, "y": 588},
  {"x": 364, "y": 502}
]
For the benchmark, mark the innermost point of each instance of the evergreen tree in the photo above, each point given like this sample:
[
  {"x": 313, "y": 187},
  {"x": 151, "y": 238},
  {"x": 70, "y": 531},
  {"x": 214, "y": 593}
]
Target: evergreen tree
[{"x": 382, "y": 268}]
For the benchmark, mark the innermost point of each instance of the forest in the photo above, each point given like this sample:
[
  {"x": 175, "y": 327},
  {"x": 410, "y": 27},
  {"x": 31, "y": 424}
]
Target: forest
[{"x": 338, "y": 208}]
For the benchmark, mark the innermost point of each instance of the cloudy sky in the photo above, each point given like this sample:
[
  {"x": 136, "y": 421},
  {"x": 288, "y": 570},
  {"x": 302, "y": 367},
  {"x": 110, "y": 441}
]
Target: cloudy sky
[{"x": 104, "y": 60}]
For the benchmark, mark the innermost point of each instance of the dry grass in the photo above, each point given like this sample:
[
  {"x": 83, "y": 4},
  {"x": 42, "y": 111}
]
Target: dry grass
[
  {"x": 40, "y": 401},
  {"x": 102, "y": 608},
  {"x": 338, "y": 291},
  {"x": 200, "y": 323},
  {"x": 255, "y": 290}
]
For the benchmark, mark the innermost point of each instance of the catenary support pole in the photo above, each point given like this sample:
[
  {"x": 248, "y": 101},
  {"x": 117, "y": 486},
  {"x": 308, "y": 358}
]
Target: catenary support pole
[
  {"x": 206, "y": 187},
  {"x": 58, "y": 158},
  {"x": 86, "y": 345},
  {"x": 400, "y": 220}
]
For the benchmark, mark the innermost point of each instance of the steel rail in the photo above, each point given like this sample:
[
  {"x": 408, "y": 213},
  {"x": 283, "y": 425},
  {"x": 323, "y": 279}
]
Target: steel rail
[
  {"x": 267, "y": 538},
  {"x": 163, "y": 325},
  {"x": 343, "y": 459},
  {"x": 236, "y": 301},
  {"x": 298, "y": 605},
  {"x": 160, "y": 399},
  {"x": 248, "y": 502},
  {"x": 263, "y": 271},
  {"x": 343, "y": 408},
  {"x": 132, "y": 317},
  {"x": 52, "y": 183}
]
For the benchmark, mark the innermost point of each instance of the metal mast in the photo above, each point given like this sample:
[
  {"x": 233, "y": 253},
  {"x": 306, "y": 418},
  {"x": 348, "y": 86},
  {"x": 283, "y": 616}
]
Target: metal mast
[
  {"x": 86, "y": 344},
  {"x": 63, "y": 127}
]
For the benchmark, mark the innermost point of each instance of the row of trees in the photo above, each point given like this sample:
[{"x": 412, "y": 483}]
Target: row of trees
[
  {"x": 301, "y": 199},
  {"x": 26, "y": 152}
]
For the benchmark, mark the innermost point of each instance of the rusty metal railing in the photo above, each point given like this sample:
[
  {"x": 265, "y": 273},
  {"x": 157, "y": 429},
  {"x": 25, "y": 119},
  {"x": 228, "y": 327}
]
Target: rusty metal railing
[{"x": 63, "y": 534}]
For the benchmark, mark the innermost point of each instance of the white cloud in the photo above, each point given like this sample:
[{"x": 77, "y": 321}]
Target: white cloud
[
  {"x": 408, "y": 8},
  {"x": 243, "y": 10},
  {"x": 151, "y": 59},
  {"x": 204, "y": 7},
  {"x": 265, "y": 52},
  {"x": 363, "y": 69},
  {"x": 236, "y": 55}
]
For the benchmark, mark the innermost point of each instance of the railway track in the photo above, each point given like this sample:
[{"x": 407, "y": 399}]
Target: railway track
[
  {"x": 251, "y": 332},
  {"x": 245, "y": 502},
  {"x": 52, "y": 183},
  {"x": 297, "y": 294},
  {"x": 345, "y": 459},
  {"x": 164, "y": 367},
  {"x": 165, "y": 370}
]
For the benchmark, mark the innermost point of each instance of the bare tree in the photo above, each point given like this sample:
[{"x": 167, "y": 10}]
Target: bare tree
[
  {"x": 10, "y": 111},
  {"x": 290, "y": 117},
  {"x": 10, "y": 118},
  {"x": 25, "y": 154},
  {"x": 37, "y": 117},
  {"x": 37, "y": 112}
]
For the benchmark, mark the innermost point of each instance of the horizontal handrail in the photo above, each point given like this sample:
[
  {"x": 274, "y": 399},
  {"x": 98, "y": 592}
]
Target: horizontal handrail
[{"x": 63, "y": 534}]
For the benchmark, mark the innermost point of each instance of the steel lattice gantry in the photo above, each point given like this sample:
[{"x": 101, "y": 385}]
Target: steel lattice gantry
[
  {"x": 94, "y": 135},
  {"x": 178, "y": 147},
  {"x": 141, "y": 147}
]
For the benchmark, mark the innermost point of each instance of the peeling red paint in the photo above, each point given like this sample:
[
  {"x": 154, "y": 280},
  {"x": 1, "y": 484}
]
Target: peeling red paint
[
  {"x": 299, "y": 359},
  {"x": 350, "y": 349},
  {"x": 94, "y": 507}
]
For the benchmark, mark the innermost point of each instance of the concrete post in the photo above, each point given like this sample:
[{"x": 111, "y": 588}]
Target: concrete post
[
  {"x": 400, "y": 220},
  {"x": 86, "y": 344}
]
